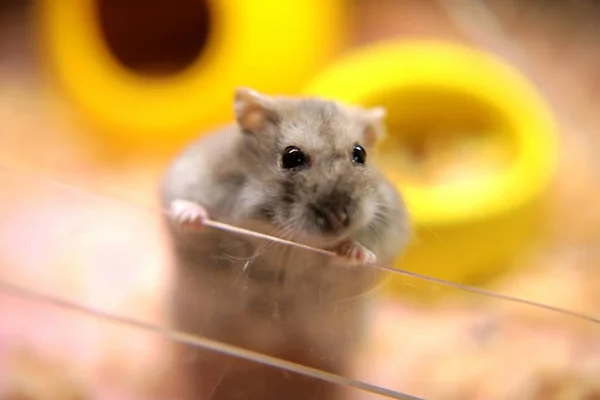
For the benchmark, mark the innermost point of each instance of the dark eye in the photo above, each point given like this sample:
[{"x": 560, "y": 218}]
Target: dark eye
[
  {"x": 359, "y": 155},
  {"x": 293, "y": 158}
]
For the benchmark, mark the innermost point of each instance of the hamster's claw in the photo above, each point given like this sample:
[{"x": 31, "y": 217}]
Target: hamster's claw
[
  {"x": 188, "y": 215},
  {"x": 355, "y": 252}
]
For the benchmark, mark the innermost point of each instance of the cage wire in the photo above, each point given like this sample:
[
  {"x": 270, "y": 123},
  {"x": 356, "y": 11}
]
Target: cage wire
[{"x": 476, "y": 20}]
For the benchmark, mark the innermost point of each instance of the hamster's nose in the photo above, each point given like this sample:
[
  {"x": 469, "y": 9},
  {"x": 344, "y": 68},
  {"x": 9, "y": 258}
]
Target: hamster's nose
[{"x": 331, "y": 219}]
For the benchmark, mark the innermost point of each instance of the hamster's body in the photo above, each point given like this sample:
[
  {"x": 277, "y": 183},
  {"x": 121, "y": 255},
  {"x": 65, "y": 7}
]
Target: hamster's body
[{"x": 293, "y": 168}]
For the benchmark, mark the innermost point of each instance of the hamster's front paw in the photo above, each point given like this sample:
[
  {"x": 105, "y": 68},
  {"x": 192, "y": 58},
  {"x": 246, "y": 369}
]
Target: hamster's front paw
[
  {"x": 355, "y": 252},
  {"x": 188, "y": 215}
]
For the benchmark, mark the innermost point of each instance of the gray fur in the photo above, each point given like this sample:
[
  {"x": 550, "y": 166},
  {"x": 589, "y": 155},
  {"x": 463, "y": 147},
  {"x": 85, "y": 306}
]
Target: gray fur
[{"x": 277, "y": 298}]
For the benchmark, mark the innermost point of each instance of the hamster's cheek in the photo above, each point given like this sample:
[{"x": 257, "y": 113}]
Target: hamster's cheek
[
  {"x": 296, "y": 217},
  {"x": 367, "y": 211},
  {"x": 250, "y": 202}
]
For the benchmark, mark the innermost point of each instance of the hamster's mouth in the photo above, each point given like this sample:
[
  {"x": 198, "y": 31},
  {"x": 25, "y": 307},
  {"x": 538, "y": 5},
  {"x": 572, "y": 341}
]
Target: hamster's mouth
[
  {"x": 313, "y": 224},
  {"x": 312, "y": 233}
]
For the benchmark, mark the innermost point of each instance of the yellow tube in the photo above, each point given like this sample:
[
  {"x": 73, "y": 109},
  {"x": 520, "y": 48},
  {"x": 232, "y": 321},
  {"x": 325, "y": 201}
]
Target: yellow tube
[
  {"x": 271, "y": 45},
  {"x": 466, "y": 229}
]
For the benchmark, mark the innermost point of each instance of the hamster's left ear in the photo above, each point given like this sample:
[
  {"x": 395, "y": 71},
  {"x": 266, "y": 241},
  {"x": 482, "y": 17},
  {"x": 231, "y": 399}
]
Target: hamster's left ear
[{"x": 374, "y": 119}]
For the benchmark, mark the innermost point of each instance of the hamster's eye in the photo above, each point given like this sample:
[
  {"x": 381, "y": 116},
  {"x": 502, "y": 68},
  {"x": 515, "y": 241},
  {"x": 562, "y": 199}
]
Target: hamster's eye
[
  {"x": 293, "y": 158},
  {"x": 359, "y": 155}
]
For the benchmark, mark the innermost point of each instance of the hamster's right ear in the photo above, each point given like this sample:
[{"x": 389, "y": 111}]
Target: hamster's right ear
[{"x": 253, "y": 110}]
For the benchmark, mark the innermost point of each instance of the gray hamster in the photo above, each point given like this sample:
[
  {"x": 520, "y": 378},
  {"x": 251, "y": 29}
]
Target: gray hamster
[{"x": 299, "y": 169}]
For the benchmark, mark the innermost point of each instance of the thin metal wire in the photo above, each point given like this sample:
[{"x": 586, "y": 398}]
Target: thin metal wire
[{"x": 467, "y": 288}]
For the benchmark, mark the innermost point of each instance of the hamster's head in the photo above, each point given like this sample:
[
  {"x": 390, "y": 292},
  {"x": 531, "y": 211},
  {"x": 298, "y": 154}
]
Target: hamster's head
[{"x": 307, "y": 163}]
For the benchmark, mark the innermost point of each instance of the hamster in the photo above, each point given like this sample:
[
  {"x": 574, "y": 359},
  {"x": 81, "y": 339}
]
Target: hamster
[{"x": 299, "y": 169}]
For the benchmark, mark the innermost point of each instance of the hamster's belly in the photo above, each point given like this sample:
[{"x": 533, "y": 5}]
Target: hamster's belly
[{"x": 275, "y": 299}]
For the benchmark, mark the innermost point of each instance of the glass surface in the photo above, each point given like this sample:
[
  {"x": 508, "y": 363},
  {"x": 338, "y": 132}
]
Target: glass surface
[{"x": 94, "y": 305}]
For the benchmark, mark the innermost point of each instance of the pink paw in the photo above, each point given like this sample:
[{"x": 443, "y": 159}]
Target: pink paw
[
  {"x": 355, "y": 252},
  {"x": 188, "y": 215}
]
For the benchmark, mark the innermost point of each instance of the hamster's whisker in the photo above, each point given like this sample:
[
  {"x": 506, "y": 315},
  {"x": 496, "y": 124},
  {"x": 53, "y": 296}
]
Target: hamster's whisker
[
  {"x": 384, "y": 206},
  {"x": 233, "y": 245},
  {"x": 415, "y": 233},
  {"x": 376, "y": 223},
  {"x": 269, "y": 243},
  {"x": 431, "y": 230},
  {"x": 282, "y": 233},
  {"x": 281, "y": 280},
  {"x": 365, "y": 293}
]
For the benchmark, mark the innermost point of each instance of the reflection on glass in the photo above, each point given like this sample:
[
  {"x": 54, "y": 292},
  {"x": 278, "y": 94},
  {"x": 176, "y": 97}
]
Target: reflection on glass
[{"x": 112, "y": 258}]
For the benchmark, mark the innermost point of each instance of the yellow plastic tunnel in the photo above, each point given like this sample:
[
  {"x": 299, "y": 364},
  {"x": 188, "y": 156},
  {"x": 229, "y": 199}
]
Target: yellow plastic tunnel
[
  {"x": 154, "y": 72},
  {"x": 471, "y": 144}
]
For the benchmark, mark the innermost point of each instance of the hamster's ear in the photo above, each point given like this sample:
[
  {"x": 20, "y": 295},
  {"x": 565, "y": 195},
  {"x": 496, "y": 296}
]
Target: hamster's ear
[
  {"x": 374, "y": 119},
  {"x": 252, "y": 109}
]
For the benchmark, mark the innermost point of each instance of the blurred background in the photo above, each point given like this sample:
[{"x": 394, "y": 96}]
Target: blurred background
[{"x": 492, "y": 139}]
